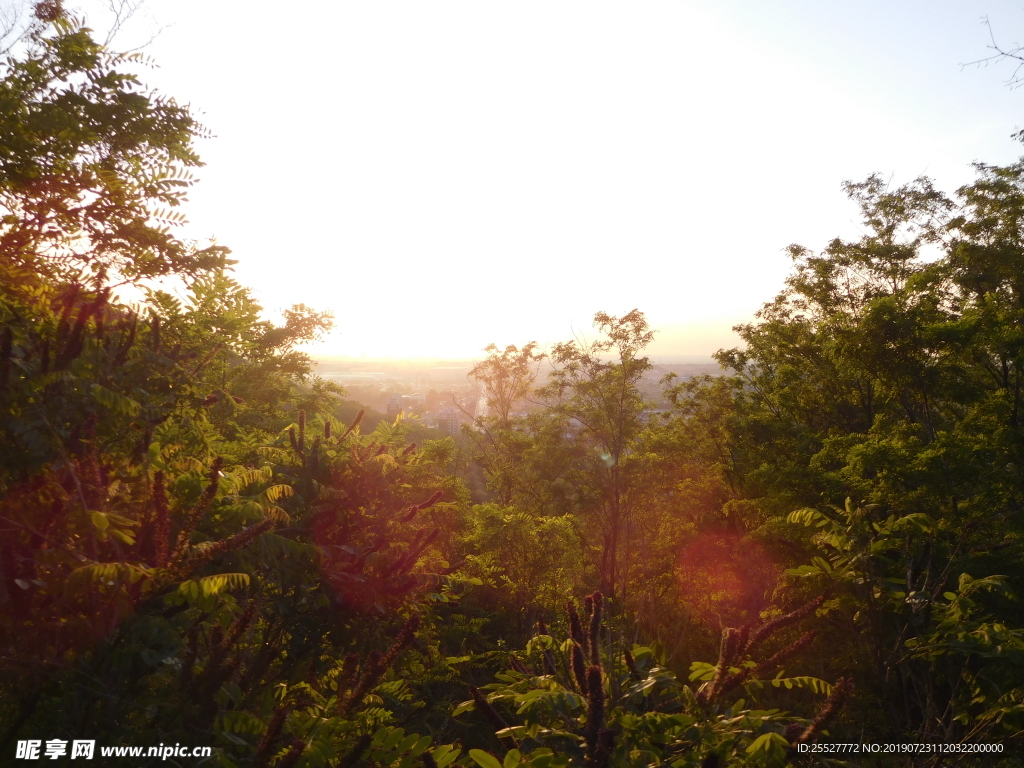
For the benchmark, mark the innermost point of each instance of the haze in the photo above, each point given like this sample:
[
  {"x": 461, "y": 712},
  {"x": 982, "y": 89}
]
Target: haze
[{"x": 443, "y": 175}]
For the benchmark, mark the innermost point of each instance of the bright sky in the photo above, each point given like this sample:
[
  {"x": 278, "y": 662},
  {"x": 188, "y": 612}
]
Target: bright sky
[{"x": 443, "y": 174}]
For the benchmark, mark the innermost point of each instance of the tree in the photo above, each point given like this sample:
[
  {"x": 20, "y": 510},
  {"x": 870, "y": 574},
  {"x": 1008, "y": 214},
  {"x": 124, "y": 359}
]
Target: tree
[
  {"x": 593, "y": 388},
  {"x": 506, "y": 377},
  {"x": 176, "y": 565},
  {"x": 1013, "y": 53},
  {"x": 595, "y": 703},
  {"x": 92, "y": 166},
  {"x": 893, "y": 381}
]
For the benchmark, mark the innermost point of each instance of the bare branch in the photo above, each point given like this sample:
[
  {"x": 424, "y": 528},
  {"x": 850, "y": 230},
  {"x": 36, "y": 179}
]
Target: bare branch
[
  {"x": 16, "y": 22},
  {"x": 1013, "y": 53},
  {"x": 122, "y": 12}
]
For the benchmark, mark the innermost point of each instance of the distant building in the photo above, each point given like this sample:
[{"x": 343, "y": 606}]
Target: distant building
[
  {"x": 394, "y": 406},
  {"x": 448, "y": 420},
  {"x": 414, "y": 402}
]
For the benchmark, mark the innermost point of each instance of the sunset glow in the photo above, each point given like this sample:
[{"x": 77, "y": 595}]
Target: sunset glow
[{"x": 442, "y": 176}]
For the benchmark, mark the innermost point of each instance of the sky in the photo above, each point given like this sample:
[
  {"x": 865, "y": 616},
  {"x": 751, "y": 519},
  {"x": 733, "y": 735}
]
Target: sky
[{"x": 444, "y": 174}]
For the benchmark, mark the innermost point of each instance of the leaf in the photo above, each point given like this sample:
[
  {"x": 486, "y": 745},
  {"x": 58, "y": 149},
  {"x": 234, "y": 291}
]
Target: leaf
[
  {"x": 122, "y": 536},
  {"x": 918, "y": 520},
  {"x": 445, "y": 755},
  {"x": 407, "y": 743},
  {"x": 512, "y": 759},
  {"x": 242, "y": 722},
  {"x": 803, "y": 570},
  {"x": 768, "y": 744},
  {"x": 420, "y": 746},
  {"x": 190, "y": 590},
  {"x": 701, "y": 670},
  {"x": 100, "y": 521},
  {"x": 392, "y": 739},
  {"x": 277, "y": 492},
  {"x": 805, "y": 516},
  {"x": 484, "y": 759},
  {"x": 115, "y": 402},
  {"x": 212, "y": 585},
  {"x": 466, "y": 706}
]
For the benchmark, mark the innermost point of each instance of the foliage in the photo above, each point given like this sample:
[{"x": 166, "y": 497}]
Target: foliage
[
  {"x": 529, "y": 562},
  {"x": 892, "y": 379},
  {"x": 583, "y": 702},
  {"x": 194, "y": 547},
  {"x": 956, "y": 668},
  {"x": 146, "y": 590},
  {"x": 507, "y": 376},
  {"x": 92, "y": 166},
  {"x": 172, "y": 569},
  {"x": 572, "y": 453}
]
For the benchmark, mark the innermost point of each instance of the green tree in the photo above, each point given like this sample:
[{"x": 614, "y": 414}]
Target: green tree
[
  {"x": 593, "y": 390},
  {"x": 891, "y": 378},
  {"x": 533, "y": 563},
  {"x": 176, "y": 565},
  {"x": 589, "y": 701},
  {"x": 505, "y": 377},
  {"x": 92, "y": 166}
]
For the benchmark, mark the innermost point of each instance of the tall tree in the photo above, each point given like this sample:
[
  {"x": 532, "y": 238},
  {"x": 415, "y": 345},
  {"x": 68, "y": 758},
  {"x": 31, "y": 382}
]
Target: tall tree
[
  {"x": 506, "y": 377},
  {"x": 93, "y": 167},
  {"x": 593, "y": 389},
  {"x": 176, "y": 564}
]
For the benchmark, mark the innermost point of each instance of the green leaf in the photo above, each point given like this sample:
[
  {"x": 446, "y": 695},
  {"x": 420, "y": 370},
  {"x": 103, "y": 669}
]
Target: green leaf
[
  {"x": 122, "y": 536},
  {"x": 445, "y": 755},
  {"x": 768, "y": 744},
  {"x": 121, "y": 520},
  {"x": 190, "y": 589},
  {"x": 484, "y": 759},
  {"x": 212, "y": 585},
  {"x": 701, "y": 670},
  {"x": 100, "y": 521},
  {"x": 115, "y": 402},
  {"x": 803, "y": 570},
  {"x": 276, "y": 492},
  {"x": 466, "y": 706},
  {"x": 155, "y": 459},
  {"x": 513, "y": 758},
  {"x": 407, "y": 743},
  {"x": 421, "y": 746},
  {"x": 393, "y": 738}
]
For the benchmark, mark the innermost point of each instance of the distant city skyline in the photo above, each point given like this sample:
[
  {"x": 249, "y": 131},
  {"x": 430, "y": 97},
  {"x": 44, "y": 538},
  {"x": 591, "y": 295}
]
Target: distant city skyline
[{"x": 446, "y": 175}]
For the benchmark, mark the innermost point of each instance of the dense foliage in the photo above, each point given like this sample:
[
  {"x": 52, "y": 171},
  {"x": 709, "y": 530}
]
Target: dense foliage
[{"x": 822, "y": 544}]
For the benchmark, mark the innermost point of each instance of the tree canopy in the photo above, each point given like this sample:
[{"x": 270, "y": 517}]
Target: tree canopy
[{"x": 605, "y": 568}]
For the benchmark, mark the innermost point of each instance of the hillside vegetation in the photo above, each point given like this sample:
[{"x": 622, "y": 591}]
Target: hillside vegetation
[{"x": 821, "y": 546}]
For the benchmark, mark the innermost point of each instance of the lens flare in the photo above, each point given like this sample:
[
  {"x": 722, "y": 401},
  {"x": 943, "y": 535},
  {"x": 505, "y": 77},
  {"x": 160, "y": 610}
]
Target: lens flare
[{"x": 725, "y": 579}]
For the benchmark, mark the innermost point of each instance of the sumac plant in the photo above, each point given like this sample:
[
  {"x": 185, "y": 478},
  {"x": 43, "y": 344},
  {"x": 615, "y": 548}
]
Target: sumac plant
[
  {"x": 588, "y": 701},
  {"x": 158, "y": 584}
]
